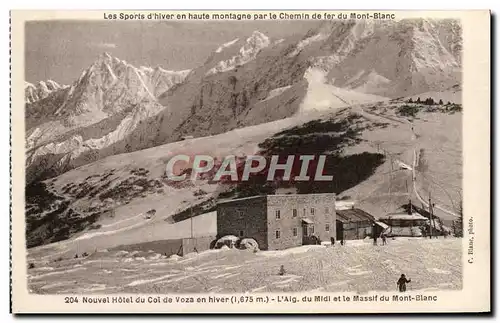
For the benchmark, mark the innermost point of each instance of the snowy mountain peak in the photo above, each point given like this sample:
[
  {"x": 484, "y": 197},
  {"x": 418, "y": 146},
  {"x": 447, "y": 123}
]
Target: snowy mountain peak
[
  {"x": 258, "y": 39},
  {"x": 41, "y": 90},
  {"x": 386, "y": 58},
  {"x": 110, "y": 73},
  {"x": 108, "y": 86},
  {"x": 106, "y": 55},
  {"x": 252, "y": 46}
]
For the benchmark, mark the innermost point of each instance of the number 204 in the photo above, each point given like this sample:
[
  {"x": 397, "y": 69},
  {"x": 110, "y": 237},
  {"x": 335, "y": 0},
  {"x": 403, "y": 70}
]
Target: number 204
[{"x": 71, "y": 300}]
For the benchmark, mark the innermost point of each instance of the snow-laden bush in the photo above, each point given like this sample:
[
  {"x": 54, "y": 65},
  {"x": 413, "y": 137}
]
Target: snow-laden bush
[
  {"x": 229, "y": 241},
  {"x": 249, "y": 244}
]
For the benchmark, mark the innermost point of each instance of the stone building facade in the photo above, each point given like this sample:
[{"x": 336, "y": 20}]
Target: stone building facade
[{"x": 279, "y": 221}]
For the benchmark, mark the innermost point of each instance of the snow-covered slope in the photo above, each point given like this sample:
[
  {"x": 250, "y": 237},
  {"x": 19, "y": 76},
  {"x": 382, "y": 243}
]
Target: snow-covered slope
[
  {"x": 324, "y": 96},
  {"x": 434, "y": 266},
  {"x": 128, "y": 185},
  {"x": 159, "y": 80}
]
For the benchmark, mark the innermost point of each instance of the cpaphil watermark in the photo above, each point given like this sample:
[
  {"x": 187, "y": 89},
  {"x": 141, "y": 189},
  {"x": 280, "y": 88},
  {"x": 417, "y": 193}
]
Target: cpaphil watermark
[{"x": 240, "y": 169}]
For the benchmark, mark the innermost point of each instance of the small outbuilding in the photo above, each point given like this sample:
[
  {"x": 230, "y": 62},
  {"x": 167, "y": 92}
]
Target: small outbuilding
[
  {"x": 404, "y": 224},
  {"x": 354, "y": 223}
]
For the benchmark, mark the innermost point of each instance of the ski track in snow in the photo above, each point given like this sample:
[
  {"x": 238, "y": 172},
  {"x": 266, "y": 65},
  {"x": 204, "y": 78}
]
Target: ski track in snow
[
  {"x": 57, "y": 273},
  {"x": 439, "y": 271},
  {"x": 221, "y": 275},
  {"x": 258, "y": 289},
  {"x": 290, "y": 279},
  {"x": 357, "y": 271},
  {"x": 153, "y": 280}
]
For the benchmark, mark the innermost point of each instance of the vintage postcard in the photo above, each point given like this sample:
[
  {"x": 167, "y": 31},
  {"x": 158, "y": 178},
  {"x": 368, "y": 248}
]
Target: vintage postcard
[{"x": 250, "y": 162}]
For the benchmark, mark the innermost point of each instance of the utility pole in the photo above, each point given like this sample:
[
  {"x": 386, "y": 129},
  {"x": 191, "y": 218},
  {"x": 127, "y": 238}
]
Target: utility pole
[
  {"x": 191, "y": 222},
  {"x": 410, "y": 206},
  {"x": 430, "y": 215},
  {"x": 390, "y": 176}
]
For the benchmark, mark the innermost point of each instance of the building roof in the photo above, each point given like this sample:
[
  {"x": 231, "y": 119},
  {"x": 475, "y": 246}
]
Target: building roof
[
  {"x": 381, "y": 224},
  {"x": 403, "y": 216},
  {"x": 343, "y": 205},
  {"x": 241, "y": 199},
  {"x": 307, "y": 220},
  {"x": 353, "y": 215},
  {"x": 271, "y": 195}
]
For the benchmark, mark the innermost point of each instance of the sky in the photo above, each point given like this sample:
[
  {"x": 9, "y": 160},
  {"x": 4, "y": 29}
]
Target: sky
[{"x": 61, "y": 50}]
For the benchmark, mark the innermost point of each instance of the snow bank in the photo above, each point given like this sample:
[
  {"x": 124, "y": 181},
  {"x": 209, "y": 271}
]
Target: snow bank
[{"x": 291, "y": 251}]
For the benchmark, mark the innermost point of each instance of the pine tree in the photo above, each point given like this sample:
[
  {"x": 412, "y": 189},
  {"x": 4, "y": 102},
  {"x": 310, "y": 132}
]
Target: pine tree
[
  {"x": 418, "y": 100},
  {"x": 440, "y": 101},
  {"x": 410, "y": 100}
]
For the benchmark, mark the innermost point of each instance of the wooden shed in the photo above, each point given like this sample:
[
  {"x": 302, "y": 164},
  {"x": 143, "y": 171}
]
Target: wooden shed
[{"x": 355, "y": 224}]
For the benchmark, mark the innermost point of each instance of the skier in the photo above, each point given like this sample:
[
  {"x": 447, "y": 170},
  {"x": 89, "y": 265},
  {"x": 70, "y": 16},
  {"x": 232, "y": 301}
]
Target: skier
[
  {"x": 332, "y": 240},
  {"x": 402, "y": 283},
  {"x": 374, "y": 239},
  {"x": 282, "y": 270}
]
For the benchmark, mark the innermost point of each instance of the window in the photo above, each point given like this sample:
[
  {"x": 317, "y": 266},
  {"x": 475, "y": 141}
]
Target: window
[
  {"x": 312, "y": 211},
  {"x": 294, "y": 213},
  {"x": 278, "y": 214},
  {"x": 295, "y": 232},
  {"x": 240, "y": 213},
  {"x": 327, "y": 227},
  {"x": 242, "y": 233},
  {"x": 278, "y": 234},
  {"x": 304, "y": 212},
  {"x": 312, "y": 229}
]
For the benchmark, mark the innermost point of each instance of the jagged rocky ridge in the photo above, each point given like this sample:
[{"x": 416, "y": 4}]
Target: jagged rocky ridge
[{"x": 70, "y": 125}]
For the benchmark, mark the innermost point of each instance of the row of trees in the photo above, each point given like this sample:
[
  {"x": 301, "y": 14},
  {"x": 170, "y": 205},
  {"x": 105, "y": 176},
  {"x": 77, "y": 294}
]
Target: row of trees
[{"x": 428, "y": 101}]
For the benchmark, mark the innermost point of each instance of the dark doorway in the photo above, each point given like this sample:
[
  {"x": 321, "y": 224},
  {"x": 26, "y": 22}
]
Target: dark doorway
[
  {"x": 307, "y": 232},
  {"x": 340, "y": 230}
]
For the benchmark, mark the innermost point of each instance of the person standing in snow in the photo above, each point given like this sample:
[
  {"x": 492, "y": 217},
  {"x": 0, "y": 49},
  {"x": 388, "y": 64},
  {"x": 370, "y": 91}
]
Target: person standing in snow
[
  {"x": 332, "y": 240},
  {"x": 384, "y": 239},
  {"x": 402, "y": 281}
]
